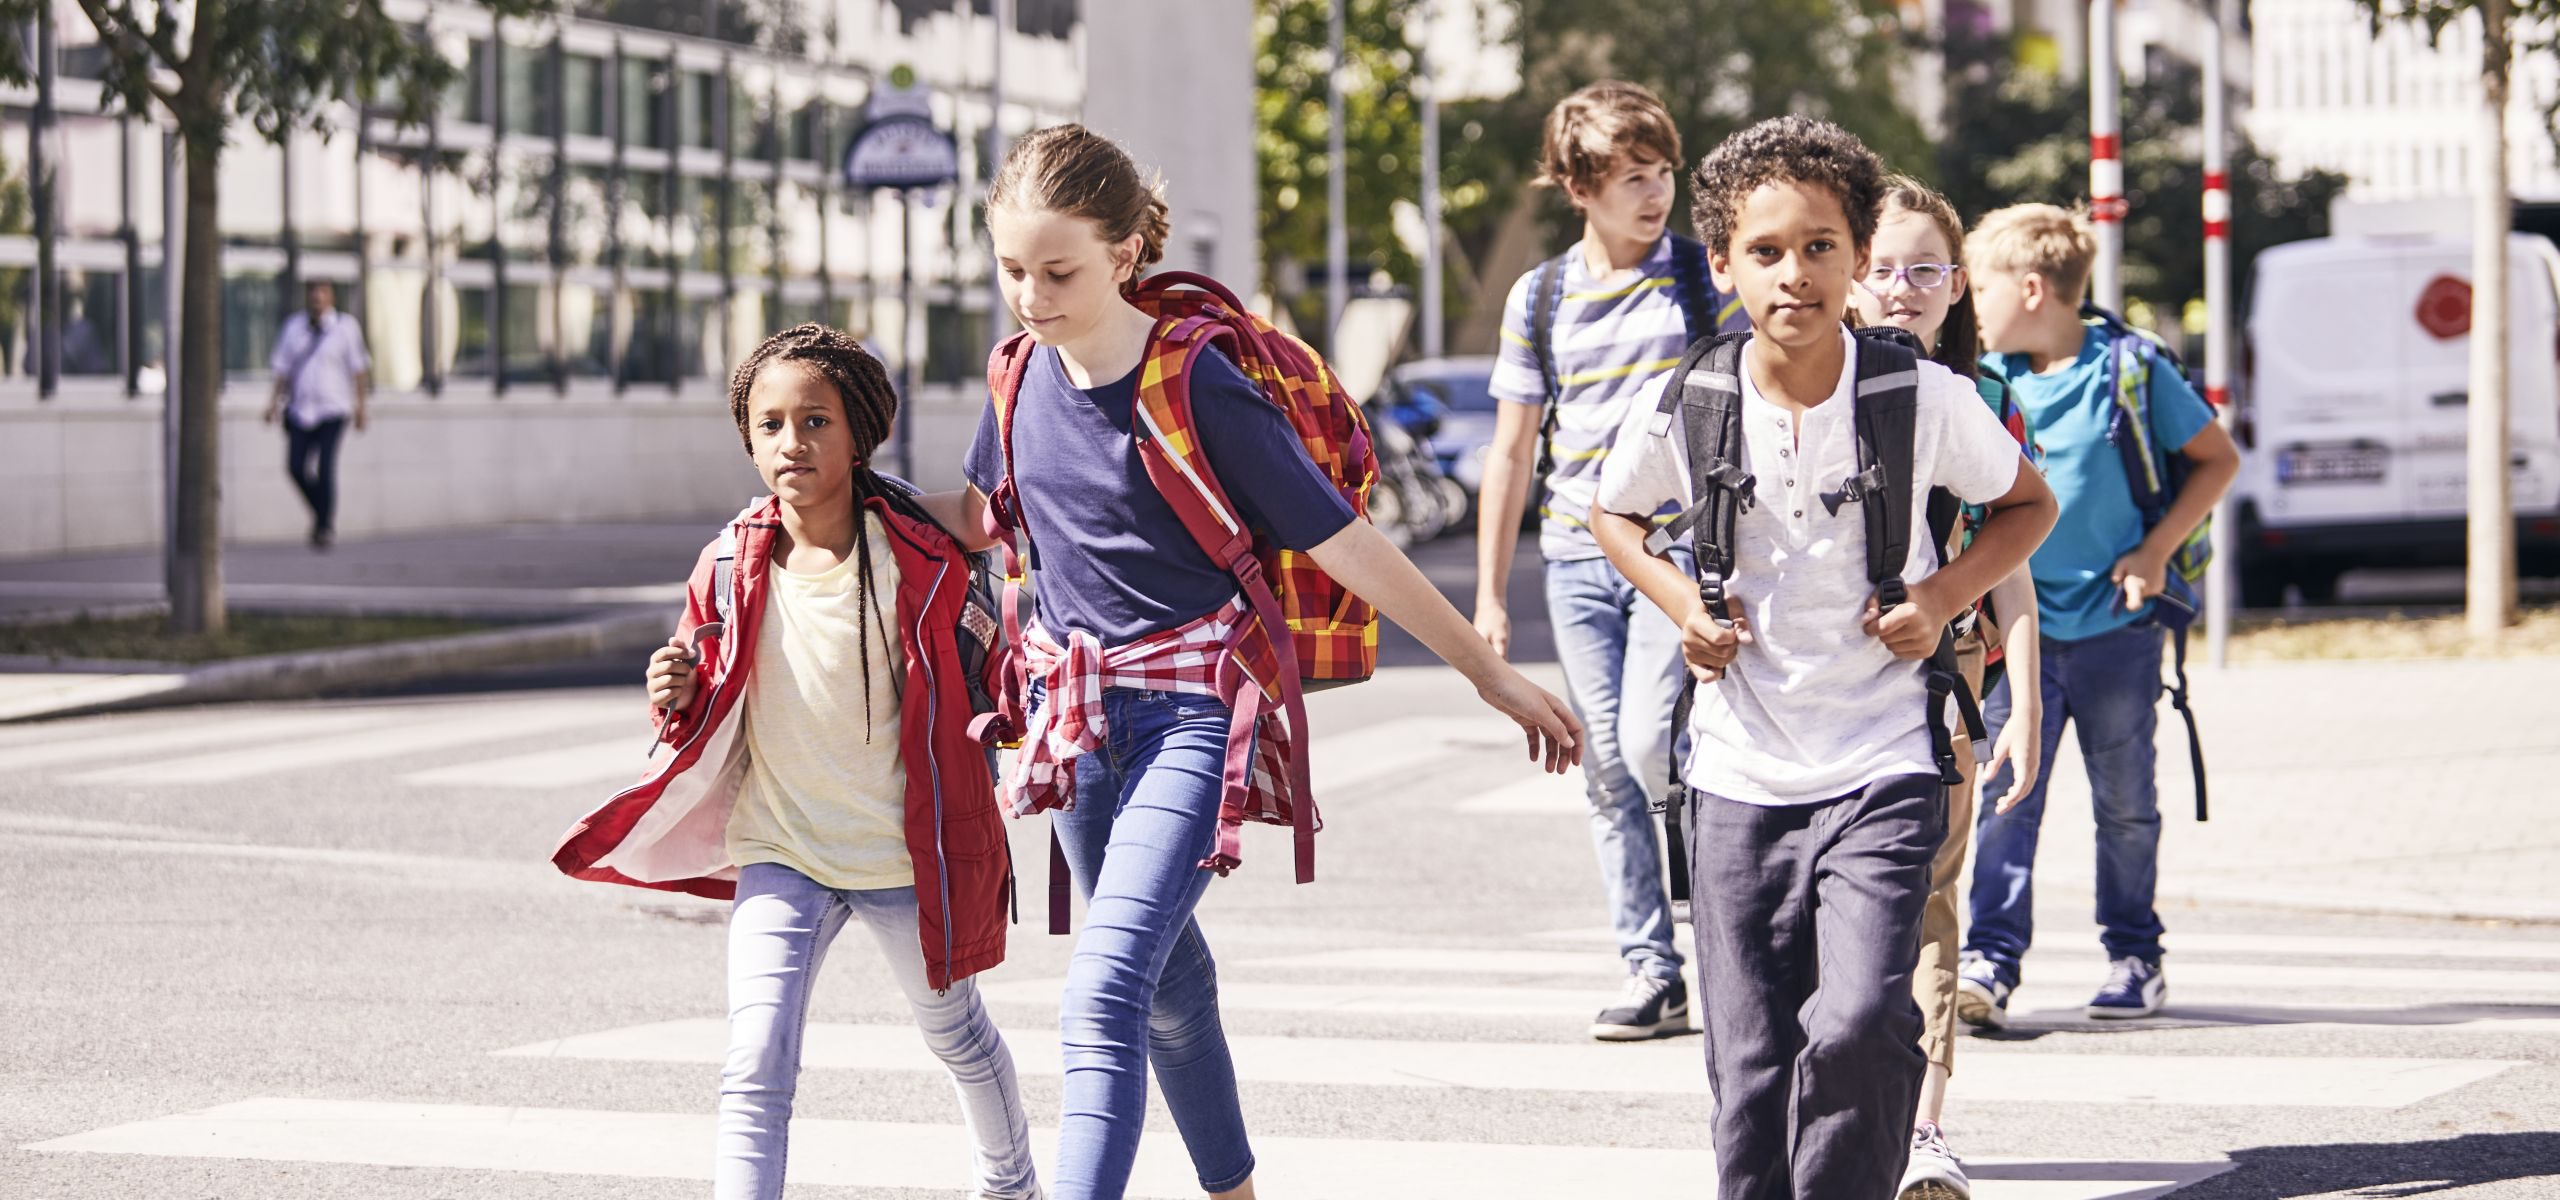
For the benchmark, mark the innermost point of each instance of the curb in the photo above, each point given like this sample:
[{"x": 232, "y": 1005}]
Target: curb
[
  {"x": 310, "y": 673},
  {"x": 2350, "y": 902}
]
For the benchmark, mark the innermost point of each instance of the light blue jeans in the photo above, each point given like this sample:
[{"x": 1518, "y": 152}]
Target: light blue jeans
[
  {"x": 1622, "y": 671},
  {"x": 779, "y": 931},
  {"x": 2108, "y": 687},
  {"x": 1142, "y": 989}
]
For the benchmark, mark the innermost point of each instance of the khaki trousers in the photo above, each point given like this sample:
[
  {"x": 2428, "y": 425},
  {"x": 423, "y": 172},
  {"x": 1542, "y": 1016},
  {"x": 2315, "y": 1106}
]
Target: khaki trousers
[{"x": 1934, "y": 983}]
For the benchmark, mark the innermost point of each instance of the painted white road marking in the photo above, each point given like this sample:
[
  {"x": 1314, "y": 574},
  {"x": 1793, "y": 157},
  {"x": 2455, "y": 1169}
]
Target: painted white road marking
[{"x": 894, "y": 1155}]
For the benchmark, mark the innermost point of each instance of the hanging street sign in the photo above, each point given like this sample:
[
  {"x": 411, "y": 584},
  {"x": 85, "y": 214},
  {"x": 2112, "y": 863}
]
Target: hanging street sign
[{"x": 899, "y": 146}]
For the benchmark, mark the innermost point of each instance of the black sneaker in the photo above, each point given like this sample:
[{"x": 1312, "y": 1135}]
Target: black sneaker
[{"x": 1649, "y": 1008}]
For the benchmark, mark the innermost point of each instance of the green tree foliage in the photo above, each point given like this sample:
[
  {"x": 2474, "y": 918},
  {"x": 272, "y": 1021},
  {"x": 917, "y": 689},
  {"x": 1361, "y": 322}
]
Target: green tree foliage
[
  {"x": 2019, "y": 135},
  {"x": 1382, "y": 138}
]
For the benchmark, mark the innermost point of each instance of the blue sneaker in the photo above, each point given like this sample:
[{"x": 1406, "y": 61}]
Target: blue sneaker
[
  {"x": 1982, "y": 994},
  {"x": 2135, "y": 988}
]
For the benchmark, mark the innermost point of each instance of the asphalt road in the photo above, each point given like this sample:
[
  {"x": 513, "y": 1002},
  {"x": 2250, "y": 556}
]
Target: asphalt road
[{"x": 315, "y": 950}]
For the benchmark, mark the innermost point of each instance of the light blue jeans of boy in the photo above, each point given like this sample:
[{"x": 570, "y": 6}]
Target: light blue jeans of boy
[
  {"x": 2108, "y": 687},
  {"x": 1141, "y": 989},
  {"x": 1622, "y": 671},
  {"x": 779, "y": 931}
]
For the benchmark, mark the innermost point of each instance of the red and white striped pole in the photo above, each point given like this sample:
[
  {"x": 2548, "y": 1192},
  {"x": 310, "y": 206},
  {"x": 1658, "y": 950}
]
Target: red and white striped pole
[
  {"x": 2218, "y": 591},
  {"x": 2106, "y": 157}
]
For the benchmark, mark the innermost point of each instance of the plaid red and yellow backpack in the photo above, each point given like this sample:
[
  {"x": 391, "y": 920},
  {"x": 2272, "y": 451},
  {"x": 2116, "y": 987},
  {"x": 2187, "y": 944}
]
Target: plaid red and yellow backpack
[{"x": 1331, "y": 635}]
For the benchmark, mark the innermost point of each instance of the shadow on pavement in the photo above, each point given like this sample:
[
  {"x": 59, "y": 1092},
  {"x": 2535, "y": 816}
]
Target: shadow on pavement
[
  {"x": 2028, "y": 1026},
  {"x": 2384, "y": 1169}
]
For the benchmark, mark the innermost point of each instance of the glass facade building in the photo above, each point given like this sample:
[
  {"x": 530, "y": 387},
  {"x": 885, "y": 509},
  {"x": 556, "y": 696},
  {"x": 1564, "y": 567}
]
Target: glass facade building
[{"x": 607, "y": 203}]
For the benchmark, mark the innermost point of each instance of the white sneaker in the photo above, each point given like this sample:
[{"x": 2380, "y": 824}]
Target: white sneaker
[{"x": 1935, "y": 1172}]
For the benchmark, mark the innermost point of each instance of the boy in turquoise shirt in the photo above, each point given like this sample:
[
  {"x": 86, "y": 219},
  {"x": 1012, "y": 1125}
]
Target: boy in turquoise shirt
[{"x": 2096, "y": 581}]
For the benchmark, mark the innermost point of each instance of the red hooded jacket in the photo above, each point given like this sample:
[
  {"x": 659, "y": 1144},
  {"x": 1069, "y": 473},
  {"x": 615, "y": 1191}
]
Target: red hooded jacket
[{"x": 670, "y": 830}]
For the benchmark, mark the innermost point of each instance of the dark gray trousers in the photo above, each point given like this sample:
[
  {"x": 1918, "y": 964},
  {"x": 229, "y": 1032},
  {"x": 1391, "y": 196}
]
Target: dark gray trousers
[{"x": 1808, "y": 924}]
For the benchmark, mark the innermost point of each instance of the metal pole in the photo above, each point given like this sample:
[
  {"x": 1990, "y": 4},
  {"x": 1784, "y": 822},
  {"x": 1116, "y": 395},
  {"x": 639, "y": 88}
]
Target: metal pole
[
  {"x": 1000, "y": 317},
  {"x": 1337, "y": 230},
  {"x": 2217, "y": 303},
  {"x": 910, "y": 335},
  {"x": 173, "y": 244},
  {"x": 1428, "y": 86},
  {"x": 2490, "y": 586},
  {"x": 48, "y": 215},
  {"x": 2106, "y": 162}
]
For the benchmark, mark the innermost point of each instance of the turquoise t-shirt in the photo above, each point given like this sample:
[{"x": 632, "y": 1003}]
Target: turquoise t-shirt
[{"x": 2069, "y": 407}]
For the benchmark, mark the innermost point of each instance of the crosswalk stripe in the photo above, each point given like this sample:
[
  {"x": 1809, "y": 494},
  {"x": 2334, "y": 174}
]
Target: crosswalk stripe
[
  {"x": 900, "y": 1155},
  {"x": 614, "y": 760},
  {"x": 2183, "y": 942},
  {"x": 1536, "y": 795},
  {"x": 477, "y": 725},
  {"x": 1670, "y": 1067},
  {"x": 113, "y": 745},
  {"x": 2092, "y": 970}
]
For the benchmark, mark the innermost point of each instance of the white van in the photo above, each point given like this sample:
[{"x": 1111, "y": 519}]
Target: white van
[{"x": 2353, "y": 423}]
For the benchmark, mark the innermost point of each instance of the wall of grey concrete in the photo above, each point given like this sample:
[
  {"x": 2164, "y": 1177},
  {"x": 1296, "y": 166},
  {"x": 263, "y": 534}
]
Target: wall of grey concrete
[{"x": 1174, "y": 83}]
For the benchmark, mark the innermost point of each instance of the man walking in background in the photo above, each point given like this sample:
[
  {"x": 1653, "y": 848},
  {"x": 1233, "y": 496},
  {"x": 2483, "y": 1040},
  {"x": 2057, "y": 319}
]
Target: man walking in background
[{"x": 321, "y": 373}]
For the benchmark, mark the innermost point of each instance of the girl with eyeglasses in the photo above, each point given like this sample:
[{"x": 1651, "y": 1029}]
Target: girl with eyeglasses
[{"x": 1915, "y": 281}]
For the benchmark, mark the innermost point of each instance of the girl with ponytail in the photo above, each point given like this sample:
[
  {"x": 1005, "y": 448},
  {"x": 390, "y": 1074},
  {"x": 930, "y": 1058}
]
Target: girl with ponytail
[
  {"x": 818, "y": 706},
  {"x": 1134, "y": 648}
]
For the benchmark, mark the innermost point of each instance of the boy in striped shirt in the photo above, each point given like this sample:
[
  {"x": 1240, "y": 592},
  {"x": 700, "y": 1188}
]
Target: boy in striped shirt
[{"x": 1581, "y": 334}]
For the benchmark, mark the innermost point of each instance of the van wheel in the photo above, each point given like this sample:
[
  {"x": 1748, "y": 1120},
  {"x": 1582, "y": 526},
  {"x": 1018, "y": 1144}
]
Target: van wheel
[
  {"x": 2319, "y": 582},
  {"x": 2261, "y": 585}
]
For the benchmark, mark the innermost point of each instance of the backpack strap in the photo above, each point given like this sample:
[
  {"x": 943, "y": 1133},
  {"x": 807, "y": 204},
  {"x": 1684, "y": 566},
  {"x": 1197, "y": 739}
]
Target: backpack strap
[
  {"x": 1005, "y": 367},
  {"x": 1887, "y": 421},
  {"x": 1170, "y": 450},
  {"x": 1546, "y": 295},
  {"x": 1691, "y": 284},
  {"x": 723, "y": 568}
]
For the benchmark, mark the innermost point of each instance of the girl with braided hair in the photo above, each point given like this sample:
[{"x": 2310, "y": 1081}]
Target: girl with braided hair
[{"x": 823, "y": 766}]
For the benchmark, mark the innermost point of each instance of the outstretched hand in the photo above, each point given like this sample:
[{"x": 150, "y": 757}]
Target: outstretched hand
[
  {"x": 1555, "y": 737},
  {"x": 2021, "y": 747}
]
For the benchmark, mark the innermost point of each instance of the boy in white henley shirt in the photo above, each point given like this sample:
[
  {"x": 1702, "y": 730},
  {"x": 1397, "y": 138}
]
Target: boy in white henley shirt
[{"x": 1814, "y": 801}]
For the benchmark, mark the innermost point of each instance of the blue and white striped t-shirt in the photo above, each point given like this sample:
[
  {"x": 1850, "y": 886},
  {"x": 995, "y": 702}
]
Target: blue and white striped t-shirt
[{"x": 1608, "y": 343}]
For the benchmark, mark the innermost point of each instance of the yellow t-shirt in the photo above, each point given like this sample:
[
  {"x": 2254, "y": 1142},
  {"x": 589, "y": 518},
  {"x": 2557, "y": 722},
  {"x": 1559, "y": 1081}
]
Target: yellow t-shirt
[{"x": 818, "y": 797}]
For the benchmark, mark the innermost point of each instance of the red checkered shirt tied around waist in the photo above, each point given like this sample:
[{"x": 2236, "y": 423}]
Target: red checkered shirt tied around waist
[{"x": 1198, "y": 658}]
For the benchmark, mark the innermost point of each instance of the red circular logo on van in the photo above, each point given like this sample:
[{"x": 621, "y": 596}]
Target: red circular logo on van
[{"x": 2444, "y": 308}]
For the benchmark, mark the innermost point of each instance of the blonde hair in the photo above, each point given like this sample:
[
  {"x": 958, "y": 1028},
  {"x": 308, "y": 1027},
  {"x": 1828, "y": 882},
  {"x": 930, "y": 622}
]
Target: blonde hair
[
  {"x": 1073, "y": 170},
  {"x": 1592, "y": 130},
  {"x": 1960, "y": 339},
  {"x": 2050, "y": 241}
]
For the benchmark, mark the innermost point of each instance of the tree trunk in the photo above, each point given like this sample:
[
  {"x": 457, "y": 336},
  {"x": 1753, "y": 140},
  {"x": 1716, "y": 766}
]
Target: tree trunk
[{"x": 195, "y": 577}]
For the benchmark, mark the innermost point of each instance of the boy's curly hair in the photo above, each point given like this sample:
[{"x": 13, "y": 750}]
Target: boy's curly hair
[{"x": 1786, "y": 149}]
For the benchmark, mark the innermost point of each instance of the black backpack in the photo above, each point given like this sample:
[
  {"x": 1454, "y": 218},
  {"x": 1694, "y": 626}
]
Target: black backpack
[
  {"x": 1700, "y": 307},
  {"x": 1704, "y": 396}
]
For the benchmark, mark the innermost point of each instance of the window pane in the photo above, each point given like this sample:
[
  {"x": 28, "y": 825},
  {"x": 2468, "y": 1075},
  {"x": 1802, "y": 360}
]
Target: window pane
[
  {"x": 526, "y": 82},
  {"x": 582, "y": 91},
  {"x": 395, "y": 326},
  {"x": 643, "y": 213},
  {"x": 527, "y": 321},
  {"x": 751, "y": 227},
  {"x": 92, "y": 322},
  {"x": 643, "y": 83},
  {"x": 586, "y": 332},
  {"x": 698, "y": 116},
  {"x": 650, "y": 355},
  {"x": 252, "y": 312},
  {"x": 585, "y": 223},
  {"x": 524, "y": 207},
  {"x": 955, "y": 343},
  {"x": 472, "y": 348},
  {"x": 697, "y": 222}
]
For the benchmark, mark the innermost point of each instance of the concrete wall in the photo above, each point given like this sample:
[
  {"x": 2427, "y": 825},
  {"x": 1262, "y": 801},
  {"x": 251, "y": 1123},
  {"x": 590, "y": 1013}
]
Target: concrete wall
[{"x": 1174, "y": 83}]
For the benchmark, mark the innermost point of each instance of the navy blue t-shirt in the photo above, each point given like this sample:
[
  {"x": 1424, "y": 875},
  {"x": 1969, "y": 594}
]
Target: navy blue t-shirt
[{"x": 1114, "y": 560}]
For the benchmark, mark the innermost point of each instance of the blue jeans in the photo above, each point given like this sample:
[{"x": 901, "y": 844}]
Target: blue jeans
[
  {"x": 2109, "y": 686},
  {"x": 1142, "y": 988},
  {"x": 779, "y": 931},
  {"x": 1622, "y": 671}
]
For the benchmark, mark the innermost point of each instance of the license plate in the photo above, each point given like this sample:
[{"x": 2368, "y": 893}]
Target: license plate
[{"x": 2331, "y": 464}]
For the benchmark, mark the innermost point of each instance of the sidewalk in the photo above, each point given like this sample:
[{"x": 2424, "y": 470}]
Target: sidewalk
[{"x": 566, "y": 590}]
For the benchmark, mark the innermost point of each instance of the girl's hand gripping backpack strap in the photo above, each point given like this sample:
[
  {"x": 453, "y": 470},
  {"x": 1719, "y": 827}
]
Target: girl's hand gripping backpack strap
[
  {"x": 1887, "y": 418},
  {"x": 1003, "y": 518}
]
